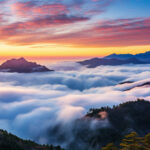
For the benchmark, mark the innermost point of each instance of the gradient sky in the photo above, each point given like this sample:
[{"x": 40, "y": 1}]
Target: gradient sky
[{"x": 73, "y": 28}]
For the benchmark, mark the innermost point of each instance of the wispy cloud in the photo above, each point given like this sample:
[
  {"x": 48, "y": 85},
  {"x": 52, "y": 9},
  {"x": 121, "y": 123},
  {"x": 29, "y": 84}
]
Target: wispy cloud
[
  {"x": 75, "y": 23},
  {"x": 44, "y": 17}
]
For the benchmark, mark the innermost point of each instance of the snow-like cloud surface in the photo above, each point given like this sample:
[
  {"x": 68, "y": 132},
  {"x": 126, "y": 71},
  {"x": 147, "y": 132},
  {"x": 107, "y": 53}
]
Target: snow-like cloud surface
[{"x": 32, "y": 104}]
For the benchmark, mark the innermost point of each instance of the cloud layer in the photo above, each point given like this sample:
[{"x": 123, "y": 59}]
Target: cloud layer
[{"x": 32, "y": 105}]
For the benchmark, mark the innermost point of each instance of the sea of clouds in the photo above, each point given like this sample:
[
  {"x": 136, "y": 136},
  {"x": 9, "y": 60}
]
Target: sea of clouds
[{"x": 33, "y": 104}]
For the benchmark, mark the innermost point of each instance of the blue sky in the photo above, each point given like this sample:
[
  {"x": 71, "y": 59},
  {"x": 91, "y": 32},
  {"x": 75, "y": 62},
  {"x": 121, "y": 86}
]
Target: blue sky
[{"x": 128, "y": 9}]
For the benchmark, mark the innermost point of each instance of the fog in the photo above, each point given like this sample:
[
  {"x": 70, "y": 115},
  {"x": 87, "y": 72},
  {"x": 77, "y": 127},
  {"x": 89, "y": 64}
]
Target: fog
[{"x": 33, "y": 105}]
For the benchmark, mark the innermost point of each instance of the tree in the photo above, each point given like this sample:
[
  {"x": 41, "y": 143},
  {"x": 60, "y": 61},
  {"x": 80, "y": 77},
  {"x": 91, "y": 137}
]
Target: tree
[
  {"x": 146, "y": 142},
  {"x": 132, "y": 142},
  {"x": 110, "y": 146}
]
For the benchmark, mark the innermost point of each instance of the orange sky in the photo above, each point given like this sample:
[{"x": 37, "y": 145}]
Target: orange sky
[{"x": 59, "y": 51}]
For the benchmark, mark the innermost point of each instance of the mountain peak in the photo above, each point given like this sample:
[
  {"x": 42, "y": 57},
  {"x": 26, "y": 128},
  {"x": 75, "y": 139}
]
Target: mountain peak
[
  {"x": 22, "y": 59},
  {"x": 21, "y": 65},
  {"x": 148, "y": 52},
  {"x": 113, "y": 54}
]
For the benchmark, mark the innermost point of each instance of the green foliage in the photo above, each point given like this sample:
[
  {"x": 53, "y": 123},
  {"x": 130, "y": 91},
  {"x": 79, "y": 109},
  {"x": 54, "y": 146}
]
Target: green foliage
[
  {"x": 110, "y": 146},
  {"x": 131, "y": 142},
  {"x": 147, "y": 141}
]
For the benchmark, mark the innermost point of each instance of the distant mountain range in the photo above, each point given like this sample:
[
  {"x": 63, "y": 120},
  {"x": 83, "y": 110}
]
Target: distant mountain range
[
  {"x": 21, "y": 65},
  {"x": 142, "y": 56},
  {"x": 118, "y": 59}
]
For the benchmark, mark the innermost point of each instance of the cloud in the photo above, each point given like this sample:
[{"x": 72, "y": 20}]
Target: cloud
[
  {"x": 55, "y": 100},
  {"x": 75, "y": 23},
  {"x": 60, "y": 29},
  {"x": 120, "y": 32},
  {"x": 66, "y": 66},
  {"x": 70, "y": 23},
  {"x": 25, "y": 9},
  {"x": 48, "y": 19}
]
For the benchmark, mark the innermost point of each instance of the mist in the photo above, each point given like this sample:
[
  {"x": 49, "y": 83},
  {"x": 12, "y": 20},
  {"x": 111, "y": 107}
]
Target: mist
[{"x": 44, "y": 107}]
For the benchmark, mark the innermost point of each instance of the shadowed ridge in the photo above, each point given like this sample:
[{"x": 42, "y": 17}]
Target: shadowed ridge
[{"x": 95, "y": 62}]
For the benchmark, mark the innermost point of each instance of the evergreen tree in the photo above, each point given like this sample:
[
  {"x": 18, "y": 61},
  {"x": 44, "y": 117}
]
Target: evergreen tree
[
  {"x": 110, "y": 146},
  {"x": 132, "y": 142},
  {"x": 146, "y": 142}
]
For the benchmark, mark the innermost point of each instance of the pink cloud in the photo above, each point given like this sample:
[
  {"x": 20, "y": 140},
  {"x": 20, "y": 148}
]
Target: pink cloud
[
  {"x": 33, "y": 26},
  {"x": 51, "y": 9},
  {"x": 29, "y": 9},
  {"x": 22, "y": 8},
  {"x": 43, "y": 20},
  {"x": 118, "y": 33}
]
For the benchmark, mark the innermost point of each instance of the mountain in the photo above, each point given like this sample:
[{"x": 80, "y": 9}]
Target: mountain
[
  {"x": 92, "y": 63},
  {"x": 118, "y": 59},
  {"x": 142, "y": 56},
  {"x": 11, "y": 142},
  {"x": 21, "y": 65},
  {"x": 119, "y": 56},
  {"x": 109, "y": 125}
]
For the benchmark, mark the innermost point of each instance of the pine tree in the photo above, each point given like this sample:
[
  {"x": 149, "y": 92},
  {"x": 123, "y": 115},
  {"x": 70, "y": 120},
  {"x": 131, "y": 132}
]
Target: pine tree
[
  {"x": 146, "y": 142},
  {"x": 110, "y": 146},
  {"x": 132, "y": 142}
]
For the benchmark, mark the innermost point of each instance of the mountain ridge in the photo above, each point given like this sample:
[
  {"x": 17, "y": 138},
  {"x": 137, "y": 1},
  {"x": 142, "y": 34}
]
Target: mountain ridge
[
  {"x": 117, "y": 59},
  {"x": 141, "y": 56},
  {"x": 21, "y": 65}
]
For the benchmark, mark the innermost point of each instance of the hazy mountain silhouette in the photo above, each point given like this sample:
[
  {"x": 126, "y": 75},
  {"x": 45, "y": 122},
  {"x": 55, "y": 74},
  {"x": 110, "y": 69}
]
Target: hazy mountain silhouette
[
  {"x": 92, "y": 63},
  {"x": 21, "y": 65},
  {"x": 142, "y": 56},
  {"x": 118, "y": 59}
]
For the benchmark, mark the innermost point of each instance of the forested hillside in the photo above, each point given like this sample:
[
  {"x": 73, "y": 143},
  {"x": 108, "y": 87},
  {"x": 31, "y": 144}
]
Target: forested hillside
[{"x": 11, "y": 142}]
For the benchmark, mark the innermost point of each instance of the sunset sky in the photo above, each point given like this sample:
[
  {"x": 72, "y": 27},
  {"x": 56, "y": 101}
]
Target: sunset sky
[{"x": 73, "y": 28}]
